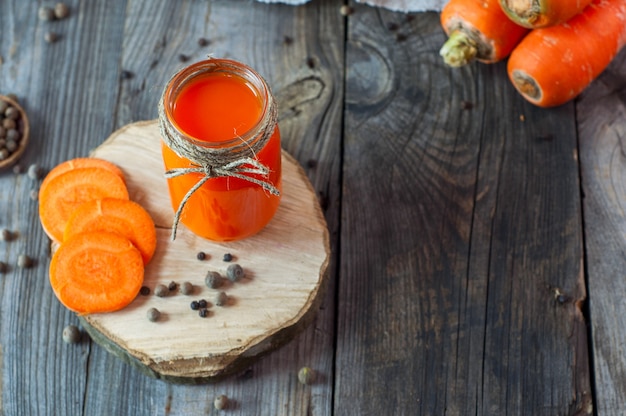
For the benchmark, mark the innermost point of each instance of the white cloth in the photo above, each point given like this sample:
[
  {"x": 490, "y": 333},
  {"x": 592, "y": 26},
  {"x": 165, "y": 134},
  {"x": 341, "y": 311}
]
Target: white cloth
[{"x": 397, "y": 5}]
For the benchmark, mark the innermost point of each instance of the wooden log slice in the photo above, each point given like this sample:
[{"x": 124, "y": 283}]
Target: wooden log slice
[{"x": 285, "y": 266}]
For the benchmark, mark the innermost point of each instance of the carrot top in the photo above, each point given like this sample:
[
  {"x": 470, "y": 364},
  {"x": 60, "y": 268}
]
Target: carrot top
[{"x": 96, "y": 272}]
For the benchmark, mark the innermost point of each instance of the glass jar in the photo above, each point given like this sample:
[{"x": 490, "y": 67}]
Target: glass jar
[{"x": 221, "y": 149}]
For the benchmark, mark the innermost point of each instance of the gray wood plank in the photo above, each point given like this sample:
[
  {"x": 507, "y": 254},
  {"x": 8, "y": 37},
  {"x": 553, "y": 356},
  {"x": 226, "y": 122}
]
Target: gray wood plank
[
  {"x": 65, "y": 88},
  {"x": 107, "y": 70},
  {"x": 460, "y": 224},
  {"x": 601, "y": 114}
]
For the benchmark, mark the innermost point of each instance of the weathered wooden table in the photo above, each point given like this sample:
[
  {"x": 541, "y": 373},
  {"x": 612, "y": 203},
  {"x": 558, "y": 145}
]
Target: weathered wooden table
[{"x": 478, "y": 242}]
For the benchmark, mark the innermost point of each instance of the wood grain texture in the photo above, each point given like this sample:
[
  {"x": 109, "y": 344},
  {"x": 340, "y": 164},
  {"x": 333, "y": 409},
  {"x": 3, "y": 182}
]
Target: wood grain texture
[
  {"x": 602, "y": 131},
  {"x": 456, "y": 227},
  {"x": 468, "y": 223},
  {"x": 106, "y": 71},
  {"x": 285, "y": 269}
]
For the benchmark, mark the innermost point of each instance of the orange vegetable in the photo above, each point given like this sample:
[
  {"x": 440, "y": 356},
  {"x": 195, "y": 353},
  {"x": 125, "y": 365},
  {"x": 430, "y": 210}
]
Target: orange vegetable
[
  {"x": 96, "y": 272},
  {"x": 535, "y": 14},
  {"x": 477, "y": 30},
  {"x": 81, "y": 162},
  {"x": 553, "y": 65},
  {"x": 120, "y": 216},
  {"x": 61, "y": 195}
]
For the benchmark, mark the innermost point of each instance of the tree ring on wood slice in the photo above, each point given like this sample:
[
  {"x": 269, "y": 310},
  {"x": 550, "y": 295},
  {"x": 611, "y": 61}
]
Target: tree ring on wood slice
[{"x": 285, "y": 266}]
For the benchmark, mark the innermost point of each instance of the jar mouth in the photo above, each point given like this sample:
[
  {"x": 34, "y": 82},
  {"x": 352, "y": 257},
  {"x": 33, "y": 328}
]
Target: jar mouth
[{"x": 178, "y": 81}]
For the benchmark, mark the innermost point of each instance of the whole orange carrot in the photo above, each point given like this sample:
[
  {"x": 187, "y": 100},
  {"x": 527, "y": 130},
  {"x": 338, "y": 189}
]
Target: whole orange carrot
[
  {"x": 535, "y": 14},
  {"x": 477, "y": 30},
  {"x": 553, "y": 65}
]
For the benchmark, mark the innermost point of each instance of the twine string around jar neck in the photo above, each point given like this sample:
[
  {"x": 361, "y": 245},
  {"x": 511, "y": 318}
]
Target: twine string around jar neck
[{"x": 237, "y": 161}]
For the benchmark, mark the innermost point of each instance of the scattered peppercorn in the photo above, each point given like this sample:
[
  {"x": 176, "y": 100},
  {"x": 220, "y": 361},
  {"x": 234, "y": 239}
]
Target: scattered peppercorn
[
  {"x": 221, "y": 299},
  {"x": 172, "y": 286},
  {"x": 201, "y": 255},
  {"x": 126, "y": 74},
  {"x": 161, "y": 290},
  {"x": 306, "y": 375},
  {"x": 228, "y": 257},
  {"x": 34, "y": 171},
  {"x": 186, "y": 288},
  {"x": 24, "y": 261},
  {"x": 183, "y": 58},
  {"x": 204, "y": 312},
  {"x": 287, "y": 40},
  {"x": 346, "y": 10},
  {"x": 310, "y": 62},
  {"x": 401, "y": 37},
  {"x": 213, "y": 280},
  {"x": 3, "y": 267},
  {"x": 71, "y": 334},
  {"x": 6, "y": 235},
  {"x": 194, "y": 305},
  {"x": 393, "y": 26},
  {"x": 202, "y": 303},
  {"x": 51, "y": 37},
  {"x": 144, "y": 291},
  {"x": 235, "y": 272},
  {"x": 466, "y": 105},
  {"x": 203, "y": 42},
  {"x": 46, "y": 13},
  {"x": 221, "y": 402},
  {"x": 61, "y": 11},
  {"x": 153, "y": 314}
]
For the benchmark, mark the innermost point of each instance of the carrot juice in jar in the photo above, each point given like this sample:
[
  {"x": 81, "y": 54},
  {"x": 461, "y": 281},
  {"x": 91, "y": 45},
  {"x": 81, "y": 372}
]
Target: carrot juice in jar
[{"x": 221, "y": 149}]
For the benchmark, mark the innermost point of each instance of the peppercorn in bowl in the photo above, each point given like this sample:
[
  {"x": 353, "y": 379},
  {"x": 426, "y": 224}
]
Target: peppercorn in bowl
[{"x": 14, "y": 130}]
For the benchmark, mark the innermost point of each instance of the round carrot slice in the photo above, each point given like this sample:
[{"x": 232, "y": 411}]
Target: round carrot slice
[
  {"x": 63, "y": 194},
  {"x": 96, "y": 272},
  {"x": 120, "y": 216},
  {"x": 81, "y": 162}
]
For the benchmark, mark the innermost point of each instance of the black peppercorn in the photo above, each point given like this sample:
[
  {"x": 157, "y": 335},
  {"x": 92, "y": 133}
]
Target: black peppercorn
[
  {"x": 228, "y": 257},
  {"x": 144, "y": 291},
  {"x": 202, "y": 303},
  {"x": 203, "y": 313},
  {"x": 194, "y": 305},
  {"x": 3, "y": 267},
  {"x": 201, "y": 255}
]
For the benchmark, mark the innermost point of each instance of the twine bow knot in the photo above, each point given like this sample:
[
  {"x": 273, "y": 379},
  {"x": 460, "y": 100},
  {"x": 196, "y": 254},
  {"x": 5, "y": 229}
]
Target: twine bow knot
[{"x": 239, "y": 168}]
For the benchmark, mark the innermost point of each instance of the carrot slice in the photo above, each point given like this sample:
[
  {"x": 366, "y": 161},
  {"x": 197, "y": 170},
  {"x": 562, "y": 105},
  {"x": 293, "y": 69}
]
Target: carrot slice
[
  {"x": 63, "y": 194},
  {"x": 96, "y": 272},
  {"x": 120, "y": 216},
  {"x": 81, "y": 162}
]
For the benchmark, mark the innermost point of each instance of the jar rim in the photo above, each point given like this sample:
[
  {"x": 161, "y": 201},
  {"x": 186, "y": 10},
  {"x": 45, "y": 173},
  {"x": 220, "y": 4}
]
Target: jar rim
[{"x": 180, "y": 79}]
